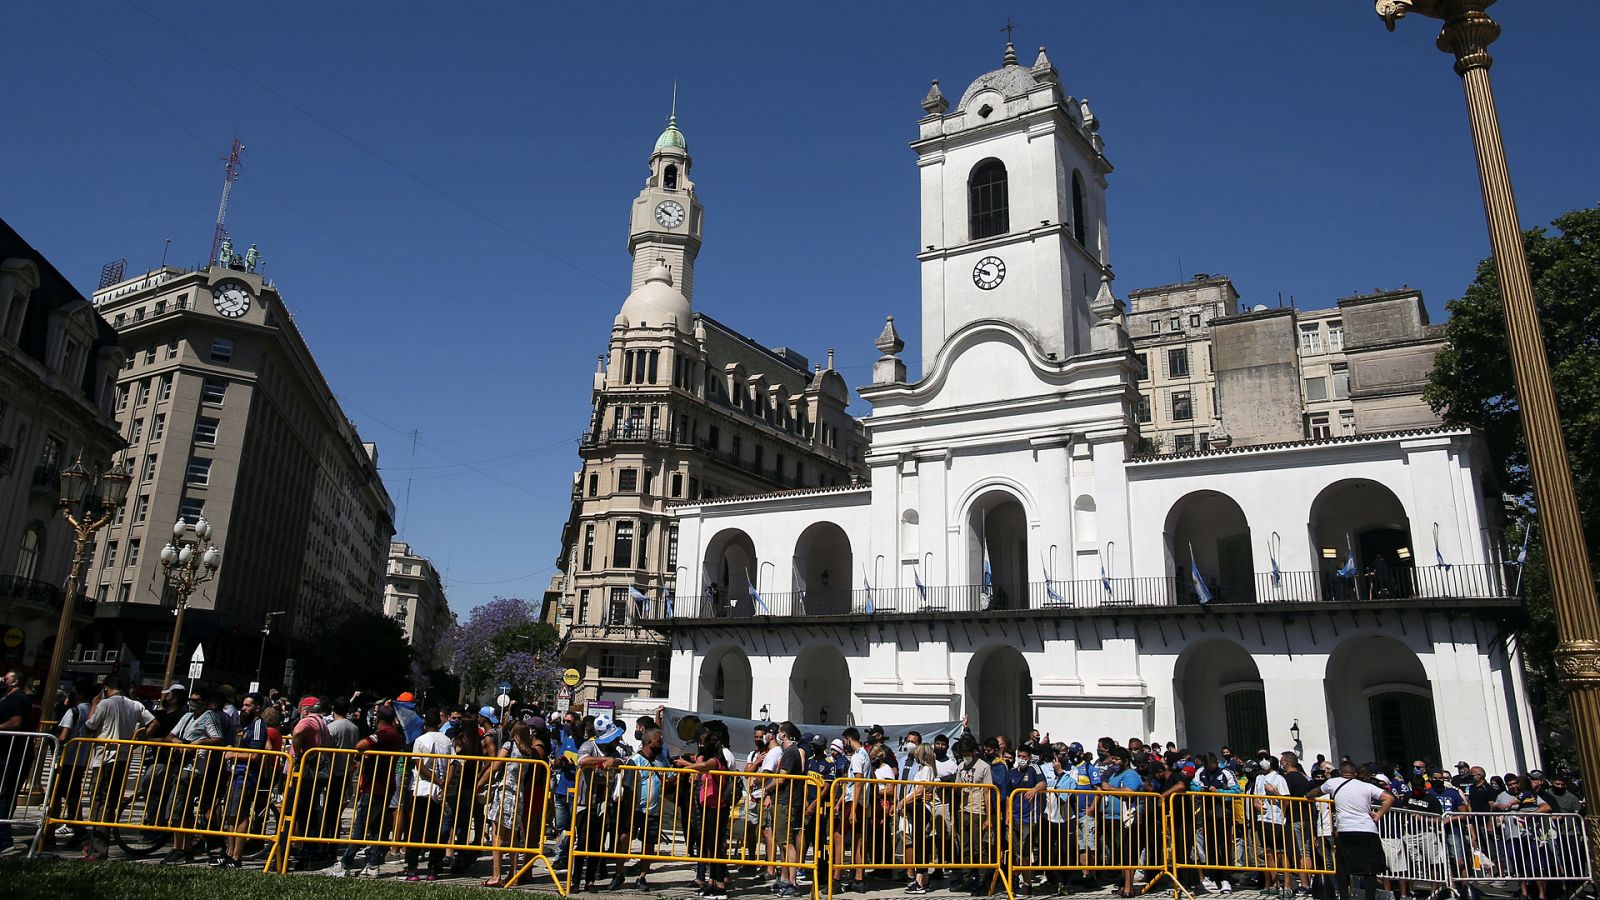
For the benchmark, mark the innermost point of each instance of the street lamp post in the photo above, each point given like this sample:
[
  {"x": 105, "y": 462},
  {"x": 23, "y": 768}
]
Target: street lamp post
[
  {"x": 261, "y": 658},
  {"x": 1467, "y": 33},
  {"x": 190, "y": 560},
  {"x": 76, "y": 482}
]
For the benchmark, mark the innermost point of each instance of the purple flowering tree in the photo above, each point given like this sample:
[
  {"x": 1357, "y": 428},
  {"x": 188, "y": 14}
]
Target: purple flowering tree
[{"x": 503, "y": 640}]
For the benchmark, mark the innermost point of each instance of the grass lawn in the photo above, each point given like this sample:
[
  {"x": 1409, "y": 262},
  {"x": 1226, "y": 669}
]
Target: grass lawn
[{"x": 58, "y": 879}]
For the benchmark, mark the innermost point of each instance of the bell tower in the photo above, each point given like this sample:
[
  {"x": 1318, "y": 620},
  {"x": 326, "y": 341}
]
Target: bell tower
[
  {"x": 666, "y": 215},
  {"x": 1013, "y": 180}
]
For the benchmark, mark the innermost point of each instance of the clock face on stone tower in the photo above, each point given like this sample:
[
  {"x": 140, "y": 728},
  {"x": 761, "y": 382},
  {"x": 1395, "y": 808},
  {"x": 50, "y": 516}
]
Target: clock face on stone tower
[
  {"x": 231, "y": 298},
  {"x": 669, "y": 213},
  {"x": 988, "y": 273}
]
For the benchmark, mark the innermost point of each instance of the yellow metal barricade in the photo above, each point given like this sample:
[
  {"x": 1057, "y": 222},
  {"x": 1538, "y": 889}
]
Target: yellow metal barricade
[
  {"x": 1279, "y": 836},
  {"x": 423, "y": 803},
  {"x": 1064, "y": 831},
  {"x": 28, "y": 761},
  {"x": 184, "y": 790},
  {"x": 914, "y": 826},
  {"x": 719, "y": 818}
]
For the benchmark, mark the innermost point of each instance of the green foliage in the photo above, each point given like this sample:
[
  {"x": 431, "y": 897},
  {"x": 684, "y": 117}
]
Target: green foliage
[
  {"x": 361, "y": 650},
  {"x": 55, "y": 879},
  {"x": 1472, "y": 385}
]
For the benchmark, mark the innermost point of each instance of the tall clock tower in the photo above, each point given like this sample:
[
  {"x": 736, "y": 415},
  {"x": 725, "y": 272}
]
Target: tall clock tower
[
  {"x": 666, "y": 215},
  {"x": 1013, "y": 181}
]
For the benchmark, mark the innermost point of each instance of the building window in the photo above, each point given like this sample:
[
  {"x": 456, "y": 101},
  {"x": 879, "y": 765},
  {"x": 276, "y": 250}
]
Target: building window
[
  {"x": 677, "y": 484},
  {"x": 149, "y": 468},
  {"x": 594, "y": 484},
  {"x": 1141, "y": 364},
  {"x": 133, "y": 553},
  {"x": 738, "y": 448},
  {"x": 1078, "y": 229},
  {"x": 627, "y": 481},
  {"x": 190, "y": 509},
  {"x": 583, "y": 606},
  {"x": 1144, "y": 408},
  {"x": 28, "y": 556},
  {"x": 1317, "y": 427},
  {"x": 1310, "y": 339},
  {"x": 122, "y": 397},
  {"x": 205, "y": 431},
  {"x": 1194, "y": 320},
  {"x": 1178, "y": 361},
  {"x": 672, "y": 547},
  {"x": 144, "y": 394},
  {"x": 158, "y": 426},
  {"x": 1335, "y": 335},
  {"x": 199, "y": 471},
  {"x": 137, "y": 432},
  {"x": 1182, "y": 406},
  {"x": 1341, "y": 379},
  {"x": 111, "y": 555},
  {"x": 619, "y": 664},
  {"x": 172, "y": 349},
  {"x": 150, "y": 351},
  {"x": 213, "y": 391},
  {"x": 1174, "y": 323},
  {"x": 987, "y": 201},
  {"x": 1183, "y": 443},
  {"x": 141, "y": 510},
  {"x": 1316, "y": 388},
  {"x": 166, "y": 389},
  {"x": 1347, "y": 421},
  {"x": 1155, "y": 326},
  {"x": 125, "y": 593},
  {"x": 622, "y": 545},
  {"x": 588, "y": 547},
  {"x": 221, "y": 350},
  {"x": 617, "y": 607}
]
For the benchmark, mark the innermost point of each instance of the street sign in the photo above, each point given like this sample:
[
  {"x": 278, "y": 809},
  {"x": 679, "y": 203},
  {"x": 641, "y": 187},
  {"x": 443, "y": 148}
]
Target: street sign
[
  {"x": 13, "y": 638},
  {"x": 571, "y": 677},
  {"x": 504, "y": 700},
  {"x": 194, "y": 672},
  {"x": 563, "y": 698},
  {"x": 255, "y": 686},
  {"x": 505, "y": 687},
  {"x": 199, "y": 654}
]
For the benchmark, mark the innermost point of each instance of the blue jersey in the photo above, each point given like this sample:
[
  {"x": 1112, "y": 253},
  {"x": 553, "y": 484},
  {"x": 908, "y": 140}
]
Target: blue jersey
[
  {"x": 1085, "y": 776},
  {"x": 1018, "y": 782}
]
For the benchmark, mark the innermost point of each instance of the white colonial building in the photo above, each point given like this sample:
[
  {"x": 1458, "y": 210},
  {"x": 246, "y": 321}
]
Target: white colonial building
[{"x": 1014, "y": 559}]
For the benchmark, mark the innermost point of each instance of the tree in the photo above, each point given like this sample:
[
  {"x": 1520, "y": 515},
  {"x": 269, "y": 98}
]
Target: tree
[
  {"x": 361, "y": 650},
  {"x": 1472, "y": 385},
  {"x": 504, "y": 641}
]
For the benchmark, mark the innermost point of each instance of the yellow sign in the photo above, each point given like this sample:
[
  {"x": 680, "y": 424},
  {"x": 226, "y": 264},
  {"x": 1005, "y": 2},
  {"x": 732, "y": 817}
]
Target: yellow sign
[
  {"x": 14, "y": 637},
  {"x": 571, "y": 677}
]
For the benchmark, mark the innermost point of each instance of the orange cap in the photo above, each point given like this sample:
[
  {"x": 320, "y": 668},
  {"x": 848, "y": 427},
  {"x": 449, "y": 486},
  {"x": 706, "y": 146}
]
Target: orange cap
[{"x": 406, "y": 697}]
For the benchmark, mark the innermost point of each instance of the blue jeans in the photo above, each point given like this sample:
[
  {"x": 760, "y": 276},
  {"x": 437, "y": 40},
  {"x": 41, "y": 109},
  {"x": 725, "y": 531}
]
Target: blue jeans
[{"x": 367, "y": 827}]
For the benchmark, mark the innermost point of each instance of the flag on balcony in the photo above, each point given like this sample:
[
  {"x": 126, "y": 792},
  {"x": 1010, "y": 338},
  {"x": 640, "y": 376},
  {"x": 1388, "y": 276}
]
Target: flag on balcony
[
  {"x": 1105, "y": 579},
  {"x": 1438, "y": 556},
  {"x": 667, "y": 600},
  {"x": 922, "y": 590},
  {"x": 867, "y": 586},
  {"x": 1050, "y": 589},
  {"x": 1200, "y": 590},
  {"x": 1272, "y": 552},
  {"x": 755, "y": 595},
  {"x": 1348, "y": 570},
  {"x": 1277, "y": 573},
  {"x": 639, "y": 597},
  {"x": 988, "y": 578}
]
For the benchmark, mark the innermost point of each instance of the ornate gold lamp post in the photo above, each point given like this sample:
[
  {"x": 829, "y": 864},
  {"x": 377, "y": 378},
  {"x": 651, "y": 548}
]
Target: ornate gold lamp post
[
  {"x": 76, "y": 482},
  {"x": 1468, "y": 31},
  {"x": 190, "y": 560}
]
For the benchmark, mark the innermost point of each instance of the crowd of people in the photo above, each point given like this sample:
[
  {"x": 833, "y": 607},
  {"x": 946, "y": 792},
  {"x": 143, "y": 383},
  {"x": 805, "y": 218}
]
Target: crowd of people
[{"x": 439, "y": 787}]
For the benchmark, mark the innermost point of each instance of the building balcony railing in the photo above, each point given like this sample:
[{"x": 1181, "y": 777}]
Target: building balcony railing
[
  {"x": 1460, "y": 582},
  {"x": 44, "y": 593},
  {"x": 612, "y": 633},
  {"x": 628, "y": 433}
]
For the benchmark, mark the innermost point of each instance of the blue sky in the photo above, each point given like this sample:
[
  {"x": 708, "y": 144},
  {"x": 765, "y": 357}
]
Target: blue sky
[{"x": 443, "y": 200}]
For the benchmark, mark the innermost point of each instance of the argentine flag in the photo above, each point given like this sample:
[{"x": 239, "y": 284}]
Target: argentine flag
[
  {"x": 922, "y": 590},
  {"x": 1349, "y": 568},
  {"x": 1200, "y": 589},
  {"x": 669, "y": 602},
  {"x": 988, "y": 578},
  {"x": 639, "y": 598},
  {"x": 1105, "y": 580},
  {"x": 867, "y": 586},
  {"x": 755, "y": 595},
  {"x": 1050, "y": 590},
  {"x": 1277, "y": 573}
]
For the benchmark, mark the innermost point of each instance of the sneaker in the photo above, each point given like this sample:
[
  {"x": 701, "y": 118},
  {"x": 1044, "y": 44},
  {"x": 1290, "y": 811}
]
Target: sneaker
[
  {"x": 718, "y": 894},
  {"x": 1208, "y": 884},
  {"x": 337, "y": 870},
  {"x": 64, "y": 831},
  {"x": 1225, "y": 886},
  {"x": 177, "y": 858},
  {"x": 371, "y": 872},
  {"x": 776, "y": 885},
  {"x": 916, "y": 888},
  {"x": 789, "y": 889},
  {"x": 642, "y": 886},
  {"x": 430, "y": 877},
  {"x": 412, "y": 876}
]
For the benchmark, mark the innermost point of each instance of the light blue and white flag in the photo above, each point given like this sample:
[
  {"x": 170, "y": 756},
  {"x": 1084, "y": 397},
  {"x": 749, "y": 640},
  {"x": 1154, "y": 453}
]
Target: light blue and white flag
[
  {"x": 988, "y": 578},
  {"x": 1200, "y": 589},
  {"x": 922, "y": 589},
  {"x": 755, "y": 595},
  {"x": 1522, "y": 555},
  {"x": 1272, "y": 552},
  {"x": 1050, "y": 592},
  {"x": 668, "y": 602},
  {"x": 1348, "y": 570},
  {"x": 1438, "y": 555},
  {"x": 639, "y": 598},
  {"x": 867, "y": 586},
  {"x": 1105, "y": 580}
]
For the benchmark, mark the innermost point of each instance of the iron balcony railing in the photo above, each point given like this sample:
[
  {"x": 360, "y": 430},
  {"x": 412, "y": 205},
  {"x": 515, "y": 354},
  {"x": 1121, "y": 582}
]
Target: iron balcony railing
[
  {"x": 32, "y": 590},
  {"x": 1477, "y": 582},
  {"x": 630, "y": 632}
]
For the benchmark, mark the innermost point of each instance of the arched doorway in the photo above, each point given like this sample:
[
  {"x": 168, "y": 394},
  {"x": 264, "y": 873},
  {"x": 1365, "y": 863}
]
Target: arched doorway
[
  {"x": 1221, "y": 701},
  {"x": 725, "y": 684},
  {"x": 1365, "y": 519},
  {"x": 824, "y": 571},
  {"x": 730, "y": 565},
  {"x": 1381, "y": 702},
  {"x": 997, "y": 532},
  {"x": 1209, "y": 530},
  {"x": 999, "y": 693},
  {"x": 819, "y": 686}
]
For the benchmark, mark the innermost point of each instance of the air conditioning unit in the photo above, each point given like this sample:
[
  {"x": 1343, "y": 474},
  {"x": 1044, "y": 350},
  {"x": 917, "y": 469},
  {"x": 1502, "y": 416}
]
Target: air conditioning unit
[{"x": 90, "y": 656}]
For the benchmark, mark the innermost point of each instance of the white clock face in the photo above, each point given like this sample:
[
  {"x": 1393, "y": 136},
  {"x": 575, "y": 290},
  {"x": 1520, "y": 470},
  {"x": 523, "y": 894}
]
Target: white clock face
[
  {"x": 669, "y": 213},
  {"x": 231, "y": 298},
  {"x": 988, "y": 273}
]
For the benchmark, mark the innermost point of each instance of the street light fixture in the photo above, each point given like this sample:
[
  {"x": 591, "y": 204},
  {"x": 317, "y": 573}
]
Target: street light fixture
[
  {"x": 190, "y": 560},
  {"x": 76, "y": 482},
  {"x": 1467, "y": 33}
]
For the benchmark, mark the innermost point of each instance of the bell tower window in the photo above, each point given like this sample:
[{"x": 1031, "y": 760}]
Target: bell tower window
[
  {"x": 987, "y": 202},
  {"x": 669, "y": 178},
  {"x": 1077, "y": 208}
]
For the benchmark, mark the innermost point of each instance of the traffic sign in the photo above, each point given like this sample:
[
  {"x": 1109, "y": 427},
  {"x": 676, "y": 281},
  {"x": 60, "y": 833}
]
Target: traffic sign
[
  {"x": 199, "y": 654},
  {"x": 504, "y": 700},
  {"x": 14, "y": 637},
  {"x": 254, "y": 687},
  {"x": 571, "y": 677},
  {"x": 194, "y": 672}
]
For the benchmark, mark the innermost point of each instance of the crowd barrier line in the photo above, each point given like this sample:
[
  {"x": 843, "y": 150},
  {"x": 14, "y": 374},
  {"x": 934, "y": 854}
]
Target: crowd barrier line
[
  {"x": 1052, "y": 831},
  {"x": 372, "y": 800},
  {"x": 1246, "y": 832},
  {"x": 177, "y": 789},
  {"x": 28, "y": 763},
  {"x": 1496, "y": 846},
  {"x": 932, "y": 825},
  {"x": 719, "y": 818}
]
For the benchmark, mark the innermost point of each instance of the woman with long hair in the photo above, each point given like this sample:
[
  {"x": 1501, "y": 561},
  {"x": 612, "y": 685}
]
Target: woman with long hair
[{"x": 713, "y": 794}]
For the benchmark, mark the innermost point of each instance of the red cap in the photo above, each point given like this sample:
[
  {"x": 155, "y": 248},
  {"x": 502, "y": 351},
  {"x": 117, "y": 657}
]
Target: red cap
[
  {"x": 308, "y": 701},
  {"x": 406, "y": 697}
]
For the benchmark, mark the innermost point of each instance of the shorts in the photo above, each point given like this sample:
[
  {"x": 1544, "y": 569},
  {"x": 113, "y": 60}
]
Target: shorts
[
  {"x": 1273, "y": 837},
  {"x": 787, "y": 815},
  {"x": 1360, "y": 853},
  {"x": 1086, "y": 841},
  {"x": 241, "y": 796}
]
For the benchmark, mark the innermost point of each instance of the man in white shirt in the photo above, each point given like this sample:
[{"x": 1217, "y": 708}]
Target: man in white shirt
[
  {"x": 764, "y": 759},
  {"x": 112, "y": 717},
  {"x": 1359, "y": 851},
  {"x": 852, "y": 824},
  {"x": 429, "y": 810}
]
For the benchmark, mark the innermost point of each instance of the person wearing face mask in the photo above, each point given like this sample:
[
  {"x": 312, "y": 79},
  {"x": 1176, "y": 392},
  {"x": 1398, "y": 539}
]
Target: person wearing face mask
[
  {"x": 973, "y": 819},
  {"x": 946, "y": 763},
  {"x": 246, "y": 772},
  {"x": 192, "y": 773},
  {"x": 1215, "y": 819}
]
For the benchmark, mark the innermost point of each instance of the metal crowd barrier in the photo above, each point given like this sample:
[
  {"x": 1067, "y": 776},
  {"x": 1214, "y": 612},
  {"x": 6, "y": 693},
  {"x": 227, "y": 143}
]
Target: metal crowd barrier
[
  {"x": 363, "y": 803},
  {"x": 913, "y": 825},
  {"x": 1418, "y": 847},
  {"x": 712, "y": 819},
  {"x": 175, "y": 790},
  {"x": 1060, "y": 831},
  {"x": 1486, "y": 847},
  {"x": 28, "y": 762},
  {"x": 1275, "y": 835}
]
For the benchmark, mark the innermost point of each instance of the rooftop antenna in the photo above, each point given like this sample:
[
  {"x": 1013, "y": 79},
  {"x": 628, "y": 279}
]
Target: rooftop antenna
[
  {"x": 112, "y": 272},
  {"x": 232, "y": 159}
]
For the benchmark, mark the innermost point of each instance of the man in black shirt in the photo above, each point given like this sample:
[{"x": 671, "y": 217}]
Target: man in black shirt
[
  {"x": 1481, "y": 793},
  {"x": 788, "y": 799}
]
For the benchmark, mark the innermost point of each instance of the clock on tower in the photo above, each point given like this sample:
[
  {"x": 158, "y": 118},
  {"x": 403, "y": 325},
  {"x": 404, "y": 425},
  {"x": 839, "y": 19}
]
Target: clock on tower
[{"x": 665, "y": 227}]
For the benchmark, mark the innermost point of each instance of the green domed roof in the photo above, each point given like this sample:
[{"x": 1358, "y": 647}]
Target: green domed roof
[{"x": 672, "y": 137}]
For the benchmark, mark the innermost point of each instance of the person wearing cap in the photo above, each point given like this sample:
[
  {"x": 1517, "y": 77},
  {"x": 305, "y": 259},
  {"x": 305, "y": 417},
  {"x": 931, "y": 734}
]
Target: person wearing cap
[
  {"x": 598, "y": 759},
  {"x": 1085, "y": 780},
  {"x": 428, "y": 819},
  {"x": 826, "y": 769},
  {"x": 1463, "y": 777}
]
